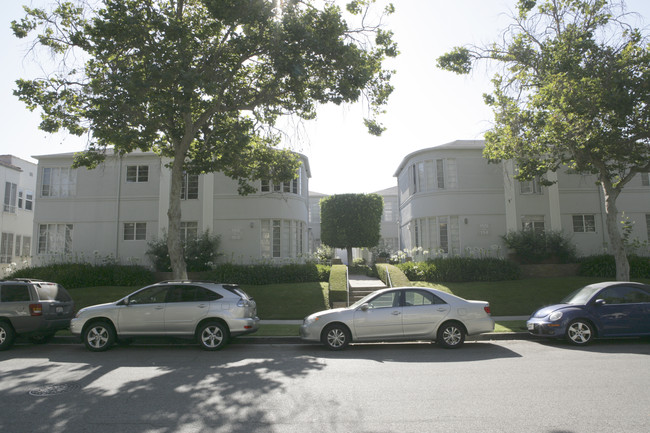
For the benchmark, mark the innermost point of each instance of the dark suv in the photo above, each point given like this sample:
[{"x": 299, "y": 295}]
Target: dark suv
[{"x": 32, "y": 308}]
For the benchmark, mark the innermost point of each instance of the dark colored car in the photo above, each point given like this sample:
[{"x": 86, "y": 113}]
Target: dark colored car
[
  {"x": 603, "y": 310},
  {"x": 33, "y": 308}
]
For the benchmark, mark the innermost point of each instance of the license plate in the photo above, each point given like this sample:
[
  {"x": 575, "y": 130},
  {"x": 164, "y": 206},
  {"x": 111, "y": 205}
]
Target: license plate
[
  {"x": 59, "y": 309},
  {"x": 531, "y": 326}
]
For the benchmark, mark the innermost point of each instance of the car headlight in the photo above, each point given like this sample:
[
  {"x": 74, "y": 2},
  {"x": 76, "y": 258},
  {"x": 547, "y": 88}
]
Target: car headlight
[
  {"x": 311, "y": 319},
  {"x": 555, "y": 315}
]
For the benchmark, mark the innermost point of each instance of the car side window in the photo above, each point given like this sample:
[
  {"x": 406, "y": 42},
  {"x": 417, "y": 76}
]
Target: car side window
[
  {"x": 205, "y": 295},
  {"x": 624, "y": 295},
  {"x": 191, "y": 294},
  {"x": 151, "y": 295},
  {"x": 385, "y": 300},
  {"x": 14, "y": 293},
  {"x": 421, "y": 297}
]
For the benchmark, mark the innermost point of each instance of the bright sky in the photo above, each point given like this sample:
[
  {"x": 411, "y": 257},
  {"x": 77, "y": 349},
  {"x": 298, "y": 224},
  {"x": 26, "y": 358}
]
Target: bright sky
[{"x": 428, "y": 107}]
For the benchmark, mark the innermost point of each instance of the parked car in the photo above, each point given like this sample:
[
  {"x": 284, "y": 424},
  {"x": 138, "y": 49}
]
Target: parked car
[
  {"x": 609, "y": 309},
  {"x": 400, "y": 314},
  {"x": 34, "y": 309},
  {"x": 209, "y": 312}
]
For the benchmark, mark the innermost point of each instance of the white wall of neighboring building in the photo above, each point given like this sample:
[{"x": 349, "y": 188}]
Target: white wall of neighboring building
[
  {"x": 452, "y": 201},
  {"x": 116, "y": 209},
  {"x": 18, "y": 183}
]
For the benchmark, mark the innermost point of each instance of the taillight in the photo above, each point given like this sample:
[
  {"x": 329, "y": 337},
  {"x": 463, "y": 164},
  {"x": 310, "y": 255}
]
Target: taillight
[
  {"x": 487, "y": 309},
  {"x": 35, "y": 309}
]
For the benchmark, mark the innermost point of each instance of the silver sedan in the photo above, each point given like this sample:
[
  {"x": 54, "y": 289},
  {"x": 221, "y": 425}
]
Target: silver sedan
[{"x": 400, "y": 314}]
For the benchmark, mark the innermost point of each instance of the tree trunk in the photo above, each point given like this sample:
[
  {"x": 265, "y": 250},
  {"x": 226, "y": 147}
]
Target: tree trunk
[
  {"x": 615, "y": 238},
  {"x": 174, "y": 245},
  {"x": 349, "y": 250}
]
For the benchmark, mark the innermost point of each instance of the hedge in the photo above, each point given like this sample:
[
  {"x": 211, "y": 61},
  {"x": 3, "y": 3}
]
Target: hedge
[
  {"x": 268, "y": 274},
  {"x": 604, "y": 266},
  {"x": 461, "y": 269},
  {"x": 397, "y": 277},
  {"x": 74, "y": 275},
  {"x": 338, "y": 284}
]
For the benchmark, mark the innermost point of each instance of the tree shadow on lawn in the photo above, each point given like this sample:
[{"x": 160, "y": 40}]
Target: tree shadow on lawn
[{"x": 144, "y": 389}]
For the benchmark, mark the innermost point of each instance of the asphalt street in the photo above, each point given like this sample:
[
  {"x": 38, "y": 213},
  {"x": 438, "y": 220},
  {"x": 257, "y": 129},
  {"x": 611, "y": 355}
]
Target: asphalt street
[{"x": 485, "y": 386}]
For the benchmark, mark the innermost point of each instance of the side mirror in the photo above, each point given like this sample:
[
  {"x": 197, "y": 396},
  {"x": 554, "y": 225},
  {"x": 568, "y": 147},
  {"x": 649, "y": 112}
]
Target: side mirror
[
  {"x": 599, "y": 302},
  {"x": 364, "y": 307}
]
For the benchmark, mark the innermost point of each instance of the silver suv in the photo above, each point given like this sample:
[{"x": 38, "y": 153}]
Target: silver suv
[
  {"x": 209, "y": 312},
  {"x": 34, "y": 309}
]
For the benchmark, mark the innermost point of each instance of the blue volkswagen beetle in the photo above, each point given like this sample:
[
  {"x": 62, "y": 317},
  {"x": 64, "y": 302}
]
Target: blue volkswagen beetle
[{"x": 603, "y": 310}]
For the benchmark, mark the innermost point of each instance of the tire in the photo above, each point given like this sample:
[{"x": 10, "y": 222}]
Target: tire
[
  {"x": 7, "y": 335},
  {"x": 580, "y": 332},
  {"x": 336, "y": 337},
  {"x": 212, "y": 336},
  {"x": 99, "y": 336},
  {"x": 451, "y": 335}
]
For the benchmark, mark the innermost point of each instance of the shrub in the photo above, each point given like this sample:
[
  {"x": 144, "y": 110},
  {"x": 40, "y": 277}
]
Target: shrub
[
  {"x": 604, "y": 266},
  {"x": 338, "y": 284},
  {"x": 397, "y": 277},
  {"x": 200, "y": 253},
  {"x": 458, "y": 269},
  {"x": 531, "y": 246},
  {"x": 74, "y": 275},
  {"x": 268, "y": 274}
]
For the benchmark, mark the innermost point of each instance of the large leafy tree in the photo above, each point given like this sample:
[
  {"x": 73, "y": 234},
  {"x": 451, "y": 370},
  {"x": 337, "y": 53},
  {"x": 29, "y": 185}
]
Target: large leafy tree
[
  {"x": 574, "y": 92},
  {"x": 202, "y": 82},
  {"x": 351, "y": 221}
]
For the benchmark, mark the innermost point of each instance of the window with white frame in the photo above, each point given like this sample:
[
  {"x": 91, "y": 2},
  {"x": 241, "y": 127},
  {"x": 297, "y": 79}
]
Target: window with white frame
[
  {"x": 137, "y": 173},
  {"x": 443, "y": 235},
  {"x": 530, "y": 186},
  {"x": 291, "y": 187},
  {"x": 135, "y": 231},
  {"x": 11, "y": 190},
  {"x": 6, "y": 247},
  {"x": 55, "y": 238},
  {"x": 534, "y": 223},
  {"x": 19, "y": 239},
  {"x": 440, "y": 173},
  {"x": 645, "y": 179},
  {"x": 584, "y": 224},
  {"x": 29, "y": 200},
  {"x": 58, "y": 182},
  {"x": 27, "y": 246},
  {"x": 189, "y": 230},
  {"x": 190, "y": 187},
  {"x": 282, "y": 238},
  {"x": 431, "y": 175}
]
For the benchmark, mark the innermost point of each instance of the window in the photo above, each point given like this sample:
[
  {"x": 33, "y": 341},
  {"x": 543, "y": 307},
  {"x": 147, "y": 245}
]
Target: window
[
  {"x": 29, "y": 200},
  {"x": 282, "y": 238},
  {"x": 14, "y": 293},
  {"x": 420, "y": 297},
  {"x": 292, "y": 187},
  {"x": 10, "y": 197},
  {"x": 440, "y": 173},
  {"x": 191, "y": 294},
  {"x": 584, "y": 224},
  {"x": 6, "y": 247},
  {"x": 137, "y": 173},
  {"x": 645, "y": 179},
  {"x": 135, "y": 231},
  {"x": 190, "y": 187},
  {"x": 385, "y": 300},
  {"x": 55, "y": 238},
  {"x": 18, "y": 245},
  {"x": 535, "y": 223},
  {"x": 189, "y": 230},
  {"x": 20, "y": 198},
  {"x": 151, "y": 295},
  {"x": 443, "y": 233},
  {"x": 27, "y": 245},
  {"x": 624, "y": 295},
  {"x": 58, "y": 182},
  {"x": 530, "y": 187}
]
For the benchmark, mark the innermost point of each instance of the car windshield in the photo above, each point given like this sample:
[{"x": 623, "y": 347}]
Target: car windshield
[
  {"x": 580, "y": 296},
  {"x": 52, "y": 292}
]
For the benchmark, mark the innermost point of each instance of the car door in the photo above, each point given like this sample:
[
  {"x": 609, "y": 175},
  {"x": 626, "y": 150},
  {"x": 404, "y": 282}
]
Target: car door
[
  {"x": 186, "y": 306},
  {"x": 382, "y": 319},
  {"x": 144, "y": 312},
  {"x": 620, "y": 311},
  {"x": 422, "y": 313},
  {"x": 15, "y": 301}
]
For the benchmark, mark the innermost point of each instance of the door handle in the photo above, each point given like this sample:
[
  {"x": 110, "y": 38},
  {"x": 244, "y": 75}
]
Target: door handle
[
  {"x": 396, "y": 313},
  {"x": 201, "y": 305},
  {"x": 442, "y": 309}
]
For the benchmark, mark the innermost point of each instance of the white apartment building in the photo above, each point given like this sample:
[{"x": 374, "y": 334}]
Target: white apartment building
[
  {"x": 16, "y": 220},
  {"x": 452, "y": 201},
  {"x": 117, "y": 208}
]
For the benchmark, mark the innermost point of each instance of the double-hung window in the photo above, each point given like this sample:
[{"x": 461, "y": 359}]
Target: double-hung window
[
  {"x": 135, "y": 231},
  {"x": 58, "y": 182},
  {"x": 137, "y": 173},
  {"x": 10, "y": 197},
  {"x": 530, "y": 186},
  {"x": 55, "y": 238},
  {"x": 6, "y": 247},
  {"x": 190, "y": 187},
  {"x": 584, "y": 224},
  {"x": 189, "y": 230}
]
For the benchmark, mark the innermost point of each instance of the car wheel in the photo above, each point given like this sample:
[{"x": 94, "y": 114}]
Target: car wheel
[
  {"x": 580, "y": 332},
  {"x": 41, "y": 338},
  {"x": 7, "y": 335},
  {"x": 451, "y": 335},
  {"x": 99, "y": 336},
  {"x": 336, "y": 337},
  {"x": 213, "y": 336}
]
